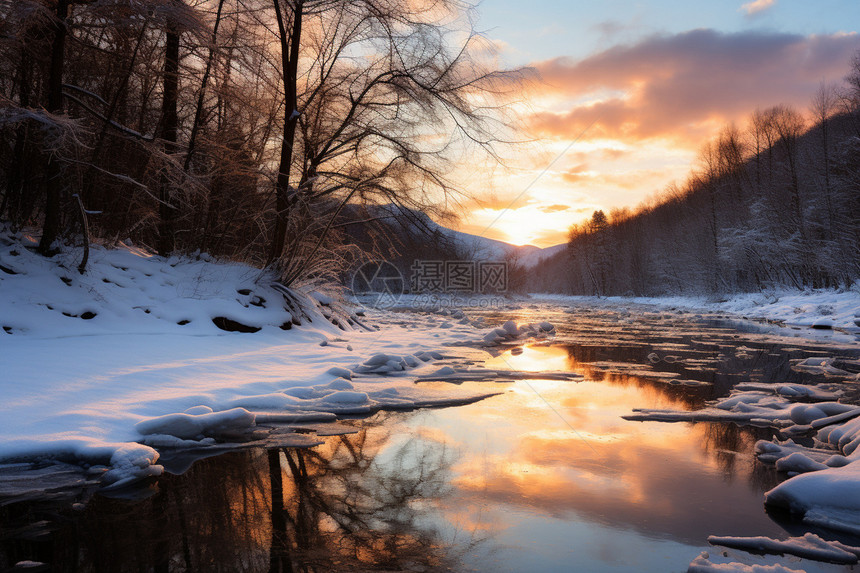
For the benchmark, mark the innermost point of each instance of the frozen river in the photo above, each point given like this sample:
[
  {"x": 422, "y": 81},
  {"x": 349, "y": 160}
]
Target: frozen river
[{"x": 544, "y": 476}]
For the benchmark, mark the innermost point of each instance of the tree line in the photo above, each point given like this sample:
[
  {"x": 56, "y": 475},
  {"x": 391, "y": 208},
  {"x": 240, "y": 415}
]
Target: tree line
[
  {"x": 773, "y": 204},
  {"x": 238, "y": 127}
]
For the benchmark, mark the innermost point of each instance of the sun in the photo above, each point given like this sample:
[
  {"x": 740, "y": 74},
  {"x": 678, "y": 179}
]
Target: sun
[{"x": 518, "y": 233}]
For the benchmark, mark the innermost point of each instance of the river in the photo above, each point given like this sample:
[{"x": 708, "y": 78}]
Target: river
[{"x": 544, "y": 476}]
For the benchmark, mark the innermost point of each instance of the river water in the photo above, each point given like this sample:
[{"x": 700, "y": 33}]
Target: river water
[{"x": 545, "y": 476}]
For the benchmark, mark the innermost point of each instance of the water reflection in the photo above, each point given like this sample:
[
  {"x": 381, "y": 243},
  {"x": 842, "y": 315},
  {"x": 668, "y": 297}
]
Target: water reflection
[
  {"x": 680, "y": 482},
  {"x": 545, "y": 477},
  {"x": 359, "y": 502}
]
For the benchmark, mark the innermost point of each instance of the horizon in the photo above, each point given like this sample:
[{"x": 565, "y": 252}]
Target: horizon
[{"x": 625, "y": 104}]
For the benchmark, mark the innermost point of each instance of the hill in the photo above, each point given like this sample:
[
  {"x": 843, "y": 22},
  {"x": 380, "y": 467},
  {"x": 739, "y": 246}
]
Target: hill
[{"x": 776, "y": 205}]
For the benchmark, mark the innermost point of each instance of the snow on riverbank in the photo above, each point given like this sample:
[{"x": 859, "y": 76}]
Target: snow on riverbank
[
  {"x": 819, "y": 308},
  {"x": 143, "y": 352}
]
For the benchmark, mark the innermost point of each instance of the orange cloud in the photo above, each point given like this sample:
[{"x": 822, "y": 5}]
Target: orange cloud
[
  {"x": 554, "y": 208},
  {"x": 681, "y": 86},
  {"x": 630, "y": 179}
]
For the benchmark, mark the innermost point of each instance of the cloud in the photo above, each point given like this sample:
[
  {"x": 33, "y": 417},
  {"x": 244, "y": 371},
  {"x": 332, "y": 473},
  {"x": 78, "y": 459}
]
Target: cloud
[
  {"x": 554, "y": 208},
  {"x": 758, "y": 6},
  {"x": 683, "y": 86},
  {"x": 578, "y": 173},
  {"x": 627, "y": 179}
]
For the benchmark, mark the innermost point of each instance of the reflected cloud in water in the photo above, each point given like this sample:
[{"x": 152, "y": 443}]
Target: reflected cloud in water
[
  {"x": 546, "y": 476},
  {"x": 678, "y": 482}
]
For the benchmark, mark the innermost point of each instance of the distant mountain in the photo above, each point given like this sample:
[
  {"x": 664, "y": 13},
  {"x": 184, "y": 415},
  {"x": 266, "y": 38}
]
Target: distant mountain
[
  {"x": 535, "y": 256},
  {"x": 411, "y": 227}
]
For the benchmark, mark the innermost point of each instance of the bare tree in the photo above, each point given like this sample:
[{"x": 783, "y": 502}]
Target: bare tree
[
  {"x": 823, "y": 106},
  {"x": 386, "y": 101}
]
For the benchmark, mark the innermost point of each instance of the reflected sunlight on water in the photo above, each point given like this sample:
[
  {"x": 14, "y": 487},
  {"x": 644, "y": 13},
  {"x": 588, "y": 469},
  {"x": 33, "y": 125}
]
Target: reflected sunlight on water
[
  {"x": 550, "y": 452},
  {"x": 546, "y": 476}
]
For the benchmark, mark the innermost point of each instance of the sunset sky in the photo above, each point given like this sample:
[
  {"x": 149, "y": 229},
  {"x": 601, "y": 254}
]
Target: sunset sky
[{"x": 631, "y": 90}]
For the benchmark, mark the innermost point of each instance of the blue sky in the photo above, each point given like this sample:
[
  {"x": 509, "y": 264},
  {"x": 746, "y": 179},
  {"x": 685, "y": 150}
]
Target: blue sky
[
  {"x": 630, "y": 91},
  {"x": 547, "y": 29}
]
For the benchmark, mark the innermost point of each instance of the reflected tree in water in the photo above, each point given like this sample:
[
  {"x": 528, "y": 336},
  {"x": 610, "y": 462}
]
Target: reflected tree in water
[
  {"x": 359, "y": 502},
  {"x": 345, "y": 508}
]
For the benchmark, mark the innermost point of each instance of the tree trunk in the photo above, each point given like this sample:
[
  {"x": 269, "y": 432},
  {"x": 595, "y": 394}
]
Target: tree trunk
[
  {"x": 169, "y": 126},
  {"x": 290, "y": 43},
  {"x": 51, "y": 226}
]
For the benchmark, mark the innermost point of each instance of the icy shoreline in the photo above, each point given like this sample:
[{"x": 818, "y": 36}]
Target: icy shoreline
[
  {"x": 102, "y": 369},
  {"x": 812, "y": 308}
]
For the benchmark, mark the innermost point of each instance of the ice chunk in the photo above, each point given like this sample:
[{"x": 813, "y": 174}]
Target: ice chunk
[
  {"x": 189, "y": 426},
  {"x": 701, "y": 564},
  {"x": 810, "y": 546},
  {"x": 808, "y": 413},
  {"x": 340, "y": 384},
  {"x": 340, "y": 372},
  {"x": 346, "y": 397},
  {"x": 798, "y": 463},
  {"x": 378, "y": 359},
  {"x": 132, "y": 462},
  {"x": 831, "y": 495},
  {"x": 444, "y": 371},
  {"x": 819, "y": 365}
]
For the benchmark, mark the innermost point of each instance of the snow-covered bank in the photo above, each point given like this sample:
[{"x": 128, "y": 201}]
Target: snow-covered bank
[
  {"x": 142, "y": 353},
  {"x": 819, "y": 308}
]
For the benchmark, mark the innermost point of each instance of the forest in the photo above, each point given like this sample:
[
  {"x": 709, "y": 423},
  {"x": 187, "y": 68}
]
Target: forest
[
  {"x": 271, "y": 132},
  {"x": 774, "y": 203},
  {"x": 247, "y": 129}
]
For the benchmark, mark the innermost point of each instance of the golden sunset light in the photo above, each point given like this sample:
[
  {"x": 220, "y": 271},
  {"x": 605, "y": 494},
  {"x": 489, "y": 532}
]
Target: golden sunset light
[
  {"x": 430, "y": 286},
  {"x": 623, "y": 121}
]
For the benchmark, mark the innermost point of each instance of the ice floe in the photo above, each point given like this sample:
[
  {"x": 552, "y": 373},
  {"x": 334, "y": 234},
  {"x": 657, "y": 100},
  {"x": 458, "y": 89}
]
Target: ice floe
[
  {"x": 702, "y": 564},
  {"x": 809, "y": 546}
]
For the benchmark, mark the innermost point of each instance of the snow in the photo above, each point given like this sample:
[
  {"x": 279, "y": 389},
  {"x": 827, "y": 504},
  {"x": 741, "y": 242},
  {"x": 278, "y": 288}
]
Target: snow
[
  {"x": 702, "y": 564},
  {"x": 511, "y": 331},
  {"x": 809, "y": 546},
  {"x": 190, "y": 426},
  {"x": 829, "y": 308},
  {"x": 830, "y": 497},
  {"x": 765, "y": 404},
  {"x": 103, "y": 368}
]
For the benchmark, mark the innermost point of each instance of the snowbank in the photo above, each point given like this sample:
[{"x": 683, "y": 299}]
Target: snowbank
[
  {"x": 810, "y": 546},
  {"x": 143, "y": 352},
  {"x": 702, "y": 564},
  {"x": 821, "y": 309}
]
